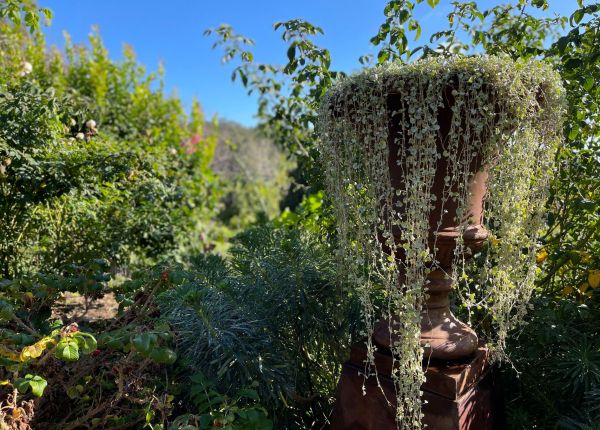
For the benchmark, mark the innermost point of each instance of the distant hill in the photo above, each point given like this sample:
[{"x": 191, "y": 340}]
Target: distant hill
[
  {"x": 254, "y": 169},
  {"x": 243, "y": 152}
]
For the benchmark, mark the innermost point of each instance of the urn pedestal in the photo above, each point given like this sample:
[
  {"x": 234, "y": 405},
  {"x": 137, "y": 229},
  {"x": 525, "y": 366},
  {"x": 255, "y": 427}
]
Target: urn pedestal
[{"x": 458, "y": 395}]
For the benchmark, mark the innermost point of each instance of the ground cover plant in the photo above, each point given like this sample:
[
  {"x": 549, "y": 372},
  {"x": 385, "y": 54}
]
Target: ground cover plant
[{"x": 226, "y": 313}]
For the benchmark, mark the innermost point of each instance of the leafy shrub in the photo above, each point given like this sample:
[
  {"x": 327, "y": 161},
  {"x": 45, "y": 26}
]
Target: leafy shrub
[
  {"x": 113, "y": 371},
  {"x": 270, "y": 317},
  {"x": 95, "y": 160},
  {"x": 217, "y": 411},
  {"x": 559, "y": 366}
]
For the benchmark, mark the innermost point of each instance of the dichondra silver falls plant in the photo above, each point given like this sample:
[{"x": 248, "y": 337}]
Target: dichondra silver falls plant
[{"x": 509, "y": 114}]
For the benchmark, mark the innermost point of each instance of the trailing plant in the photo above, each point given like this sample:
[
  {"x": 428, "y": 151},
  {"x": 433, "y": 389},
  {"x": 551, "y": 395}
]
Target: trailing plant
[
  {"x": 507, "y": 113},
  {"x": 571, "y": 243}
]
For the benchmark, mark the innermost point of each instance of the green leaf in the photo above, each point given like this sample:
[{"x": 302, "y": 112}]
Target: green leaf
[
  {"x": 433, "y": 3},
  {"x": 205, "y": 421},
  {"x": 47, "y": 14},
  {"x": 22, "y": 385},
  {"x": 413, "y": 25},
  {"x": 86, "y": 342},
  {"x": 164, "y": 356},
  {"x": 144, "y": 342},
  {"x": 404, "y": 15},
  {"x": 291, "y": 52},
  {"x": 243, "y": 77},
  {"x": 264, "y": 424},
  {"x": 589, "y": 83},
  {"x": 247, "y": 56},
  {"x": 38, "y": 384},
  {"x": 248, "y": 393},
  {"x": 67, "y": 349},
  {"x": 573, "y": 133},
  {"x": 383, "y": 56},
  {"x": 562, "y": 43},
  {"x": 149, "y": 416},
  {"x": 572, "y": 64},
  {"x": 6, "y": 310}
]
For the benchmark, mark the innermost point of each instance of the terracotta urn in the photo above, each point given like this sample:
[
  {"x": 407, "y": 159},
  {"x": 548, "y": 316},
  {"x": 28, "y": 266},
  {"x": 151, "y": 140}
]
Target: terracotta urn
[
  {"x": 407, "y": 150},
  {"x": 443, "y": 336}
]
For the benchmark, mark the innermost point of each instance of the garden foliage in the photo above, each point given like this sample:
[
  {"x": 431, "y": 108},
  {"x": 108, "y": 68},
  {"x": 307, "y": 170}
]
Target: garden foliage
[
  {"x": 109, "y": 188},
  {"x": 101, "y": 173},
  {"x": 568, "y": 252}
]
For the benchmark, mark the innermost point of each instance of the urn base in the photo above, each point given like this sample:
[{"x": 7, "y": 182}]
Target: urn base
[{"x": 458, "y": 395}]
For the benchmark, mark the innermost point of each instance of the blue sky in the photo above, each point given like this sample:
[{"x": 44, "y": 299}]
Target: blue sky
[{"x": 171, "y": 31}]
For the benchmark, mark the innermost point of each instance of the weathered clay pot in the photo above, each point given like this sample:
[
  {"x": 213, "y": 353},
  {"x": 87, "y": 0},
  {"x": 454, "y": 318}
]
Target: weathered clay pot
[{"x": 442, "y": 335}]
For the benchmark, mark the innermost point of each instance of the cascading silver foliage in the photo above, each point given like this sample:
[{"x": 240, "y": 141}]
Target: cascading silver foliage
[{"x": 511, "y": 112}]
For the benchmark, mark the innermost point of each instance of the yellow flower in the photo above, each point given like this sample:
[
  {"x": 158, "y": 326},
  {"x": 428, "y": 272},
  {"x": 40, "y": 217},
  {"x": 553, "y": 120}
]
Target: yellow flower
[
  {"x": 541, "y": 256},
  {"x": 594, "y": 278},
  {"x": 494, "y": 240},
  {"x": 567, "y": 291}
]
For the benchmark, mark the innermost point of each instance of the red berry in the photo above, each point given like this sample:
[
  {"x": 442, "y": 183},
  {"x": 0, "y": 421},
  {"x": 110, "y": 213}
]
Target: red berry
[
  {"x": 96, "y": 353},
  {"x": 164, "y": 275}
]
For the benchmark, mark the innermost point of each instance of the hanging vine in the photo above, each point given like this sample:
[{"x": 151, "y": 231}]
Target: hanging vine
[{"x": 507, "y": 113}]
